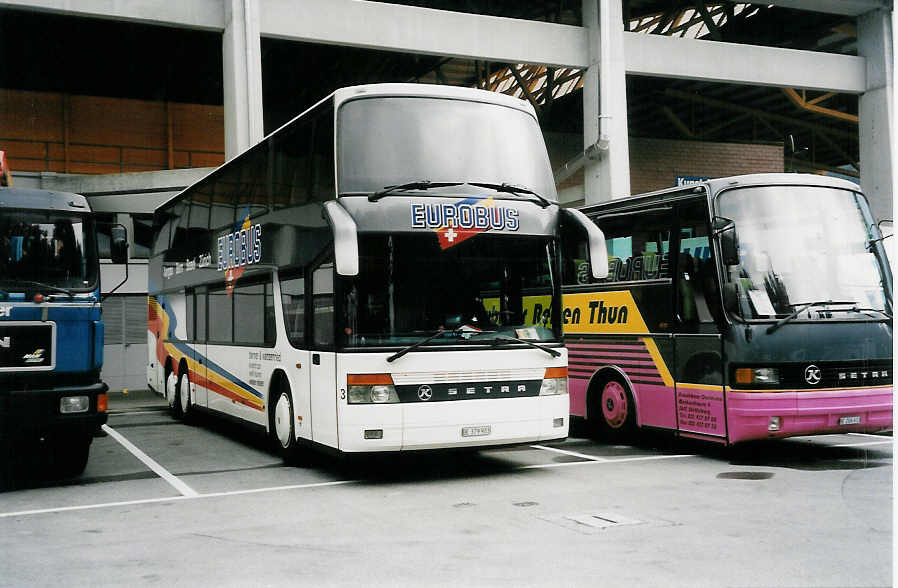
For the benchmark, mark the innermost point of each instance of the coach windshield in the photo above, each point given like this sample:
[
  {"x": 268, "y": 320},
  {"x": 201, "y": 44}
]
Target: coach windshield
[
  {"x": 411, "y": 286},
  {"x": 390, "y": 141},
  {"x": 801, "y": 245}
]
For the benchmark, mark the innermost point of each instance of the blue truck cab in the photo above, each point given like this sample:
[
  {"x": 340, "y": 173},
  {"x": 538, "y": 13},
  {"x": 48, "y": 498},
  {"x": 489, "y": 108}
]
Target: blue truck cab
[{"x": 51, "y": 328}]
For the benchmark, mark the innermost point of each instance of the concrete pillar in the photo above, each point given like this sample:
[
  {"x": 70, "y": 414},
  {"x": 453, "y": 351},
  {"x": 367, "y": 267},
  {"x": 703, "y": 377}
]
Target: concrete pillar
[
  {"x": 875, "y": 108},
  {"x": 241, "y": 47},
  {"x": 607, "y": 174}
]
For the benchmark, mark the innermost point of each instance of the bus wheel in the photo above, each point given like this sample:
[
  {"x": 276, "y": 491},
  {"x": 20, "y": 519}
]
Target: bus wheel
[
  {"x": 282, "y": 424},
  {"x": 171, "y": 393},
  {"x": 184, "y": 396},
  {"x": 618, "y": 411}
]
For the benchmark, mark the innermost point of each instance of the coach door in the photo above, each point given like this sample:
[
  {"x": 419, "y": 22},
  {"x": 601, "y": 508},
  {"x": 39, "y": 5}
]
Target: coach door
[
  {"x": 698, "y": 345},
  {"x": 323, "y": 361}
]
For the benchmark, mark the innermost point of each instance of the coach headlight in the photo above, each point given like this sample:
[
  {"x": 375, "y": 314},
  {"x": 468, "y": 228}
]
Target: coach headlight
[
  {"x": 371, "y": 389},
  {"x": 554, "y": 382},
  {"x": 764, "y": 376}
]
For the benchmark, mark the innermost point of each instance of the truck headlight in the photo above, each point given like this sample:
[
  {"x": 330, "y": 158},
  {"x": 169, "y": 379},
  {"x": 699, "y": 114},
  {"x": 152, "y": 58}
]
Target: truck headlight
[
  {"x": 73, "y": 404},
  {"x": 554, "y": 382}
]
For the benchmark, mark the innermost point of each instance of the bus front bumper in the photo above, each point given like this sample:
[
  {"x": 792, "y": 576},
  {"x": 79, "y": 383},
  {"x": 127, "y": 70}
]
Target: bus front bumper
[
  {"x": 763, "y": 415},
  {"x": 456, "y": 424}
]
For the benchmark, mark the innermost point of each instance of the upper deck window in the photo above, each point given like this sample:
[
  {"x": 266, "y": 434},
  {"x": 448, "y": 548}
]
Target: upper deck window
[{"x": 387, "y": 141}]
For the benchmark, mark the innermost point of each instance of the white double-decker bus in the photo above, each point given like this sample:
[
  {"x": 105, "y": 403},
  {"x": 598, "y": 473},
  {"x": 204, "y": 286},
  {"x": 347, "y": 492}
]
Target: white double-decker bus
[{"x": 361, "y": 278}]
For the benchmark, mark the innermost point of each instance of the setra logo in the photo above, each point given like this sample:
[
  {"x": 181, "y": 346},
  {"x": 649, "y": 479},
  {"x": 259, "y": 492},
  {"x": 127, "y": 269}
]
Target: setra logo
[
  {"x": 425, "y": 393},
  {"x": 813, "y": 375}
]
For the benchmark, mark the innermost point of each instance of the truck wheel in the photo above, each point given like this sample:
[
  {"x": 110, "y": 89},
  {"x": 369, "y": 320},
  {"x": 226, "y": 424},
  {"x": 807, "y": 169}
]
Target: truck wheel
[
  {"x": 70, "y": 453},
  {"x": 612, "y": 410}
]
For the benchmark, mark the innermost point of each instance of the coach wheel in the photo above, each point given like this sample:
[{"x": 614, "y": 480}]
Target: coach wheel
[
  {"x": 615, "y": 411},
  {"x": 184, "y": 396},
  {"x": 282, "y": 424},
  {"x": 171, "y": 392}
]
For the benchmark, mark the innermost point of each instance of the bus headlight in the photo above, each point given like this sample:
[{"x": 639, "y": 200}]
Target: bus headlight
[
  {"x": 371, "y": 389},
  {"x": 554, "y": 382},
  {"x": 763, "y": 376}
]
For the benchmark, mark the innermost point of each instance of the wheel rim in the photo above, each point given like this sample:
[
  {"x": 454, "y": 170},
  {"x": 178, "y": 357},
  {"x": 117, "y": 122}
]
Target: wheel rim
[
  {"x": 283, "y": 424},
  {"x": 614, "y": 405},
  {"x": 185, "y": 393},
  {"x": 170, "y": 384}
]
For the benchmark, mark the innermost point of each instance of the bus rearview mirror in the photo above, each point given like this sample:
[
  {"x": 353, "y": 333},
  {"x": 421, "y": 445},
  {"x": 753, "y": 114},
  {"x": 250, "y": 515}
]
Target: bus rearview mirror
[
  {"x": 725, "y": 231},
  {"x": 346, "y": 241},
  {"x": 598, "y": 252}
]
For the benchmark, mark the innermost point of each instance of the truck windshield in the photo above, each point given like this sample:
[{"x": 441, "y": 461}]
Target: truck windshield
[
  {"x": 490, "y": 286},
  {"x": 46, "y": 247},
  {"x": 392, "y": 141},
  {"x": 800, "y": 244}
]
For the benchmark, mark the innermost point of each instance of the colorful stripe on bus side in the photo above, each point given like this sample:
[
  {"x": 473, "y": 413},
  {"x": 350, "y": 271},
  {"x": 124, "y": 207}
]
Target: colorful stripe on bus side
[{"x": 203, "y": 372}]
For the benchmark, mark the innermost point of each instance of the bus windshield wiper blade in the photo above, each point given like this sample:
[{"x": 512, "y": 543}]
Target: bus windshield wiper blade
[
  {"x": 33, "y": 284},
  {"x": 801, "y": 308},
  {"x": 507, "y": 339},
  {"x": 418, "y": 185},
  {"x": 510, "y": 189},
  {"x": 423, "y": 341}
]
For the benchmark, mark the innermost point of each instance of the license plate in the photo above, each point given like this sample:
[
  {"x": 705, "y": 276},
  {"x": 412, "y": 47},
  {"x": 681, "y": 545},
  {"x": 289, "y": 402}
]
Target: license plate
[
  {"x": 850, "y": 420},
  {"x": 475, "y": 431}
]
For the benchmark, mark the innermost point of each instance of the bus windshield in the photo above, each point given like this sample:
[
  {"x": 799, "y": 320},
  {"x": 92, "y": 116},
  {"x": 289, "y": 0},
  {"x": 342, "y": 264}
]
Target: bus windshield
[
  {"x": 486, "y": 287},
  {"x": 799, "y": 245},
  {"x": 39, "y": 248},
  {"x": 393, "y": 141}
]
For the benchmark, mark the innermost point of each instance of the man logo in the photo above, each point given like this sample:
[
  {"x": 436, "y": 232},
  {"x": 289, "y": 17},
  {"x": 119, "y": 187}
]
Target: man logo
[
  {"x": 5, "y": 342},
  {"x": 813, "y": 375},
  {"x": 425, "y": 393}
]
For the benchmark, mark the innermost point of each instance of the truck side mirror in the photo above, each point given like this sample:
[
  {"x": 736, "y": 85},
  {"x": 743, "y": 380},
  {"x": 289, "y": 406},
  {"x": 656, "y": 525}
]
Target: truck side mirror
[
  {"x": 118, "y": 246},
  {"x": 725, "y": 230}
]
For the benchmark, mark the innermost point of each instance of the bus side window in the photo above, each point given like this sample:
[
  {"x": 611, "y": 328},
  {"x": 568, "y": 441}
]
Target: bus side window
[
  {"x": 323, "y": 306},
  {"x": 200, "y": 304},
  {"x": 293, "y": 300}
]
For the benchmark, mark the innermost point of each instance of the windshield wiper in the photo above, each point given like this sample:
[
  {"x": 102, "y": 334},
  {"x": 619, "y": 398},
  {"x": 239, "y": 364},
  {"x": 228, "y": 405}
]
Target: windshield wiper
[
  {"x": 41, "y": 285},
  {"x": 803, "y": 307},
  {"x": 510, "y": 189},
  {"x": 507, "y": 339},
  {"x": 423, "y": 341},
  {"x": 419, "y": 185}
]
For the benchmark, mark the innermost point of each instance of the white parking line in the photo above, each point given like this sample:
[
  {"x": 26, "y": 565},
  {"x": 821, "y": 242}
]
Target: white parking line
[
  {"x": 605, "y": 462},
  {"x": 869, "y": 435},
  {"x": 863, "y": 444},
  {"x": 151, "y": 463},
  {"x": 195, "y": 496},
  {"x": 572, "y": 453}
]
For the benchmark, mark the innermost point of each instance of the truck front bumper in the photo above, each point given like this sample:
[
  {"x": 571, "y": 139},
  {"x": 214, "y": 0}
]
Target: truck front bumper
[{"x": 37, "y": 411}]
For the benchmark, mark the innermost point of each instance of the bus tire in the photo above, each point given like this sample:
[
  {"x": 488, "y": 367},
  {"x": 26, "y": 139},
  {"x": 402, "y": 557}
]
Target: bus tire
[
  {"x": 171, "y": 391},
  {"x": 283, "y": 431},
  {"x": 184, "y": 396},
  {"x": 612, "y": 409}
]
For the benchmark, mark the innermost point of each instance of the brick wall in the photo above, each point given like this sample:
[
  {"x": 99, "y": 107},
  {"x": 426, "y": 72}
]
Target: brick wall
[
  {"x": 45, "y": 131},
  {"x": 655, "y": 163}
]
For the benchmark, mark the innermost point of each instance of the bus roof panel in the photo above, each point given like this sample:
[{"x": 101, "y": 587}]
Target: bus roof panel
[{"x": 431, "y": 91}]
